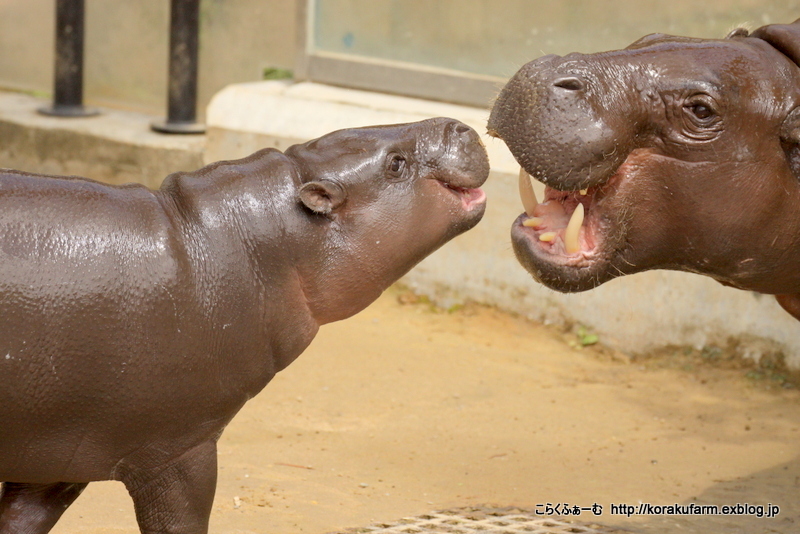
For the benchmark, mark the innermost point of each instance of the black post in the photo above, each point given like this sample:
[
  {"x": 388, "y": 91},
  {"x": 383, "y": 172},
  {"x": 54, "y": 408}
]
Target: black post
[
  {"x": 183, "y": 46},
  {"x": 68, "y": 93}
]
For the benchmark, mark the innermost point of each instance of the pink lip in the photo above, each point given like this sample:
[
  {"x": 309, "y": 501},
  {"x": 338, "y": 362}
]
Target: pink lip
[{"x": 470, "y": 198}]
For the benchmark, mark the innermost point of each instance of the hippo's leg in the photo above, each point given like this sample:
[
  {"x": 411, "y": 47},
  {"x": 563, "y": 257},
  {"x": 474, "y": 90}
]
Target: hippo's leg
[
  {"x": 35, "y": 508},
  {"x": 177, "y": 498}
]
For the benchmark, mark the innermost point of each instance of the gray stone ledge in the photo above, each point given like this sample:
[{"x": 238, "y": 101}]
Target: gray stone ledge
[{"x": 115, "y": 147}]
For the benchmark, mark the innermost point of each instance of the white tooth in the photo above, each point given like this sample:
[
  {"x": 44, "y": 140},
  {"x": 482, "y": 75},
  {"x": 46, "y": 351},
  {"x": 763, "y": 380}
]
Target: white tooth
[
  {"x": 526, "y": 193},
  {"x": 584, "y": 191},
  {"x": 571, "y": 243},
  {"x": 547, "y": 236}
]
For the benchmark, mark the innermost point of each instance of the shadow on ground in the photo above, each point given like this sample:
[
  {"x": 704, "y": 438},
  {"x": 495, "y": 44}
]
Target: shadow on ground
[{"x": 769, "y": 486}]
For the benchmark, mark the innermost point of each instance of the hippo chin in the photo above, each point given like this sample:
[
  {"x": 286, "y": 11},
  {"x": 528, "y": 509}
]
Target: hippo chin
[
  {"x": 136, "y": 323},
  {"x": 674, "y": 153}
]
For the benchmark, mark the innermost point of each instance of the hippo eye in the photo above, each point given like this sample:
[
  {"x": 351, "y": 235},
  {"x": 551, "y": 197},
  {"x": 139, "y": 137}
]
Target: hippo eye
[
  {"x": 397, "y": 164},
  {"x": 701, "y": 111},
  {"x": 698, "y": 118}
]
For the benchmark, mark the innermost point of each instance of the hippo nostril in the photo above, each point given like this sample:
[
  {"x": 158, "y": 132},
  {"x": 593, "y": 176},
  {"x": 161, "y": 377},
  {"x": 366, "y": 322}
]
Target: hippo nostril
[
  {"x": 462, "y": 129},
  {"x": 570, "y": 83}
]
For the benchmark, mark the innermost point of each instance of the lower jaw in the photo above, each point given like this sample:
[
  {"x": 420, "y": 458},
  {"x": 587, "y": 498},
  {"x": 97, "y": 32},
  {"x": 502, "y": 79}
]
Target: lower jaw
[
  {"x": 552, "y": 250},
  {"x": 561, "y": 273},
  {"x": 471, "y": 216}
]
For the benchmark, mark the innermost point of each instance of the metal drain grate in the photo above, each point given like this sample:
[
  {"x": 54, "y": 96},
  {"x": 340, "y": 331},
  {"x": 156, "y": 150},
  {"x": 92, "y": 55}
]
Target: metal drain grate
[{"x": 483, "y": 521}]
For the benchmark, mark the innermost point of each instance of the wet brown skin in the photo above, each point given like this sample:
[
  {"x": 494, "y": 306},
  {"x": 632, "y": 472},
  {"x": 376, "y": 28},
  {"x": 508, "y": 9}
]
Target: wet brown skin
[
  {"x": 689, "y": 149},
  {"x": 136, "y": 323}
]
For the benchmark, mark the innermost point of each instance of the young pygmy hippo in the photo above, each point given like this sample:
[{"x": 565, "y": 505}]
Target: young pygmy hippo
[{"x": 134, "y": 324}]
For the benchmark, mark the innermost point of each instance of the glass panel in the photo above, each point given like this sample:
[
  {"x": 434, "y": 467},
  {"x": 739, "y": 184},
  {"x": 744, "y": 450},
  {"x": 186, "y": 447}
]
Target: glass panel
[{"x": 495, "y": 37}]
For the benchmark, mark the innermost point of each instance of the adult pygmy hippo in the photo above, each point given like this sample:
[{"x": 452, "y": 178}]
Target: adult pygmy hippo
[
  {"x": 674, "y": 153},
  {"x": 134, "y": 324}
]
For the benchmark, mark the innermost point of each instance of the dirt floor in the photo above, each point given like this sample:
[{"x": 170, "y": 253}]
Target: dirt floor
[{"x": 405, "y": 409}]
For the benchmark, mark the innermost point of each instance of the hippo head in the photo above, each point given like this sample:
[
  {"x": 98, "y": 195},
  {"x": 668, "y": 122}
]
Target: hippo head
[
  {"x": 673, "y": 153},
  {"x": 375, "y": 201}
]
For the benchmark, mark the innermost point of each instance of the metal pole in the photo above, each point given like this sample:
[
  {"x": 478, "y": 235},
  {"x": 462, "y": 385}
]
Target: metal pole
[
  {"x": 183, "y": 52},
  {"x": 68, "y": 93}
]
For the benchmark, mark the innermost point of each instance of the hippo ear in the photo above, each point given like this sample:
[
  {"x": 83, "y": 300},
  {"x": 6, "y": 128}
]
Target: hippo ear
[
  {"x": 783, "y": 37},
  {"x": 651, "y": 39},
  {"x": 737, "y": 32},
  {"x": 322, "y": 197}
]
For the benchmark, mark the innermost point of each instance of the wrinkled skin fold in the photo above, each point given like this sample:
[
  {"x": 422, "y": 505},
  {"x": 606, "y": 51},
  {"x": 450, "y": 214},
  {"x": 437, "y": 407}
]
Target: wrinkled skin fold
[
  {"x": 134, "y": 324},
  {"x": 684, "y": 153}
]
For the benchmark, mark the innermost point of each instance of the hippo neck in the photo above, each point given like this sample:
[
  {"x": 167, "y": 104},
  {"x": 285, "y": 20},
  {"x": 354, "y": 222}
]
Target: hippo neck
[
  {"x": 302, "y": 256},
  {"x": 238, "y": 222},
  {"x": 339, "y": 283},
  {"x": 356, "y": 259},
  {"x": 763, "y": 257}
]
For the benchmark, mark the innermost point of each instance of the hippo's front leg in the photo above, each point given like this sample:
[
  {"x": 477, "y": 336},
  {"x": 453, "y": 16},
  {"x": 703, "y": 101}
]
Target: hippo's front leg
[
  {"x": 35, "y": 508},
  {"x": 176, "y": 498}
]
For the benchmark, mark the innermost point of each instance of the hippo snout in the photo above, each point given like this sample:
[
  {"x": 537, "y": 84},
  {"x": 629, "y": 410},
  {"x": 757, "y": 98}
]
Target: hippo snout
[
  {"x": 459, "y": 128},
  {"x": 553, "y": 116},
  {"x": 460, "y": 160},
  {"x": 453, "y": 153},
  {"x": 539, "y": 80}
]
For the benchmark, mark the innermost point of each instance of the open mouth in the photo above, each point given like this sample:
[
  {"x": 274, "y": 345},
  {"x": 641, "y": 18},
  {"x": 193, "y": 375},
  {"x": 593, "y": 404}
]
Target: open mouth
[
  {"x": 470, "y": 197},
  {"x": 577, "y": 240},
  {"x": 565, "y": 225}
]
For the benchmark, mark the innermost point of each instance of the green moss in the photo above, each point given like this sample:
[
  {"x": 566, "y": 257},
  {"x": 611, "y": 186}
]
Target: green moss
[{"x": 275, "y": 73}]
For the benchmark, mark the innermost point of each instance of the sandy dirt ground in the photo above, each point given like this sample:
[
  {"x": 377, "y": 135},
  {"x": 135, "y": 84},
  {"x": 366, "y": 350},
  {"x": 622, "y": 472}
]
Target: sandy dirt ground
[{"x": 405, "y": 409}]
